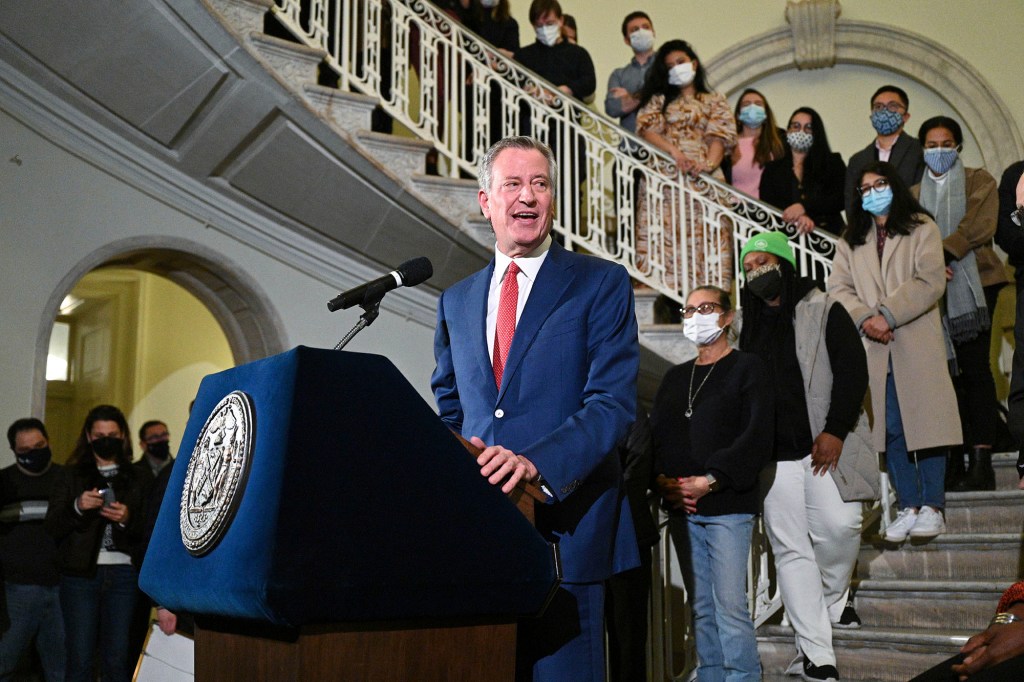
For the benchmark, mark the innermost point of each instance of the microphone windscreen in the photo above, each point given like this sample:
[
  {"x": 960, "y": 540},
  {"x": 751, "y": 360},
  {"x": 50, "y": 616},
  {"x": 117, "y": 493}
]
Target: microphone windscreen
[{"x": 416, "y": 271}]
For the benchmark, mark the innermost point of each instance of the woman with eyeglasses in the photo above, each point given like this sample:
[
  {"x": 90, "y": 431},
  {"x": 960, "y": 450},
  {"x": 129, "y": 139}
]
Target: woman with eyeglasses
[
  {"x": 758, "y": 141},
  {"x": 710, "y": 424},
  {"x": 807, "y": 183},
  {"x": 889, "y": 273},
  {"x": 96, "y": 516},
  {"x": 965, "y": 204}
]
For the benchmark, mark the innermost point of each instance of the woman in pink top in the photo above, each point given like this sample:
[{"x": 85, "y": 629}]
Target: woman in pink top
[{"x": 760, "y": 141}]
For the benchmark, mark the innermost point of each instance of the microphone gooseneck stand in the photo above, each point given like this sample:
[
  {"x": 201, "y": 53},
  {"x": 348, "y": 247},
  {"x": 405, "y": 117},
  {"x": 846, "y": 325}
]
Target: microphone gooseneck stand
[{"x": 371, "y": 310}]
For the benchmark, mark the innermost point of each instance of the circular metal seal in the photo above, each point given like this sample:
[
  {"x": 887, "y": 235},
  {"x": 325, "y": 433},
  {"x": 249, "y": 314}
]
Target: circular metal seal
[{"x": 217, "y": 473}]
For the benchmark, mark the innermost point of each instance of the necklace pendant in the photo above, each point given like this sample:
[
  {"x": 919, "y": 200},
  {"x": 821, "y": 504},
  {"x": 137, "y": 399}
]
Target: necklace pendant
[{"x": 688, "y": 413}]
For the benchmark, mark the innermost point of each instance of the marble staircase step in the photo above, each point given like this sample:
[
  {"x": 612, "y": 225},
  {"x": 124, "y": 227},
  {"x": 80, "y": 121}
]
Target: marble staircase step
[
  {"x": 865, "y": 655},
  {"x": 402, "y": 156},
  {"x": 292, "y": 63},
  {"x": 949, "y": 557},
  {"x": 349, "y": 112},
  {"x": 928, "y": 605}
]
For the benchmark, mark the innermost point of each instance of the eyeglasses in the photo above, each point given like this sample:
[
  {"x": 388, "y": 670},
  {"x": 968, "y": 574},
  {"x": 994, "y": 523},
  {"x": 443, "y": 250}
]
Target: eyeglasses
[
  {"x": 796, "y": 127},
  {"x": 704, "y": 309},
  {"x": 894, "y": 107},
  {"x": 878, "y": 185},
  {"x": 157, "y": 438},
  {"x": 1018, "y": 216}
]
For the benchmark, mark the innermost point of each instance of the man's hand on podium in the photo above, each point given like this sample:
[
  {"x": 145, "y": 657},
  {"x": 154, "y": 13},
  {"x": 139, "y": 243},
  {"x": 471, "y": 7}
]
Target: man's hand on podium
[{"x": 497, "y": 463}]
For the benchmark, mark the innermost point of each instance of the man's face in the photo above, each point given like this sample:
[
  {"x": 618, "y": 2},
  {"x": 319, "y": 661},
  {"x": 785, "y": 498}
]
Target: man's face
[
  {"x": 892, "y": 102},
  {"x": 29, "y": 439},
  {"x": 155, "y": 434},
  {"x": 636, "y": 25},
  {"x": 549, "y": 18},
  {"x": 519, "y": 204}
]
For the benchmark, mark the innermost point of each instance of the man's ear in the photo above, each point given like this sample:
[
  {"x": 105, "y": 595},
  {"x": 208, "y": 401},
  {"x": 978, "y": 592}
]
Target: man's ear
[{"x": 481, "y": 197}]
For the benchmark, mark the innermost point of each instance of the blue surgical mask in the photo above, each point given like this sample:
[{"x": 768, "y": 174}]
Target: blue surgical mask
[
  {"x": 940, "y": 159},
  {"x": 753, "y": 115},
  {"x": 878, "y": 201},
  {"x": 886, "y": 122}
]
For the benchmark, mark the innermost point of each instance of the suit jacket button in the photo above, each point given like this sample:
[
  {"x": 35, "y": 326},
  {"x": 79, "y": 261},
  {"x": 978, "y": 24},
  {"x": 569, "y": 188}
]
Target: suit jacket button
[{"x": 499, "y": 413}]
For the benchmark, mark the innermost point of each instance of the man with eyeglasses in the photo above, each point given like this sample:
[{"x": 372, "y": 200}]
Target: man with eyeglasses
[
  {"x": 890, "y": 111},
  {"x": 1010, "y": 237}
]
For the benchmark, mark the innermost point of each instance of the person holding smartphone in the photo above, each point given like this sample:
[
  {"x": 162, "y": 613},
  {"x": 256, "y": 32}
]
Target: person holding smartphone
[{"x": 96, "y": 517}]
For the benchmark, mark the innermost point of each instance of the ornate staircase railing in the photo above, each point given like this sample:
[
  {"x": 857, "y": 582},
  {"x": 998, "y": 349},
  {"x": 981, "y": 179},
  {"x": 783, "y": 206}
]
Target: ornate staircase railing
[{"x": 450, "y": 87}]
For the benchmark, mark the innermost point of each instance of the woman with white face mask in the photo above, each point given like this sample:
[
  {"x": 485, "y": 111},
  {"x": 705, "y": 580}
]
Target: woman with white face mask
[
  {"x": 889, "y": 274},
  {"x": 807, "y": 184},
  {"x": 681, "y": 116},
  {"x": 965, "y": 203},
  {"x": 712, "y": 429}
]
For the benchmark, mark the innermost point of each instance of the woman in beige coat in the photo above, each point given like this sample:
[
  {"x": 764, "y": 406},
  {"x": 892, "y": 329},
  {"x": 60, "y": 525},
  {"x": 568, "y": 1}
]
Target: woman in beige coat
[{"x": 889, "y": 273}]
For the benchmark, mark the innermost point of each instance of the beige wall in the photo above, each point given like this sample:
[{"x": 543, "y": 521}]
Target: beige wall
[
  {"x": 982, "y": 33},
  {"x": 179, "y": 342}
]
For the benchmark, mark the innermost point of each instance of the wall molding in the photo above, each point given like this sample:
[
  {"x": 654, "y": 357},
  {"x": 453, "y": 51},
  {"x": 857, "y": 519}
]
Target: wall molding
[{"x": 895, "y": 49}]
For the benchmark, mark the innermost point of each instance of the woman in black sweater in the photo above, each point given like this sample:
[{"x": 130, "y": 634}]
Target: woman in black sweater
[
  {"x": 807, "y": 183},
  {"x": 712, "y": 429}
]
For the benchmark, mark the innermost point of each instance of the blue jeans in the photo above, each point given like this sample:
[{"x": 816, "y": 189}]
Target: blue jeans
[
  {"x": 99, "y": 610},
  {"x": 713, "y": 552},
  {"x": 34, "y": 611},
  {"x": 918, "y": 478}
]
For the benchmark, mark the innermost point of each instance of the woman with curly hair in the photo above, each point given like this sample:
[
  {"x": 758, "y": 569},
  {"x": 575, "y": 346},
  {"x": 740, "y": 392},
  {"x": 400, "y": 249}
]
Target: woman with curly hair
[{"x": 680, "y": 115}]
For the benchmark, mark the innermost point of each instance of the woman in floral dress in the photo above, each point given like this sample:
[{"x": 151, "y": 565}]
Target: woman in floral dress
[{"x": 681, "y": 116}]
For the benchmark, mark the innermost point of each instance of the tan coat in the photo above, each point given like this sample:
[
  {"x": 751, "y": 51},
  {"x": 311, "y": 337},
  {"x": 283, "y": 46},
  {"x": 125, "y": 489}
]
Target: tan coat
[
  {"x": 909, "y": 282},
  {"x": 978, "y": 226}
]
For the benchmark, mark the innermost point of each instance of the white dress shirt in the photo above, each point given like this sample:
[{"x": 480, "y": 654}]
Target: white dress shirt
[{"x": 529, "y": 266}]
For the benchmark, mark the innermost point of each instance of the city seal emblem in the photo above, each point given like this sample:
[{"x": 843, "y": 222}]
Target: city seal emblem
[{"x": 217, "y": 473}]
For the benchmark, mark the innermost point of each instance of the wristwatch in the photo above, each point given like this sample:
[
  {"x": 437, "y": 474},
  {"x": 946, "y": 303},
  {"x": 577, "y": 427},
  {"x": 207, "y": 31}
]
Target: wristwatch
[{"x": 713, "y": 483}]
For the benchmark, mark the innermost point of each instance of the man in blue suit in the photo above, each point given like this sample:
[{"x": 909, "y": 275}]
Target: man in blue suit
[{"x": 537, "y": 359}]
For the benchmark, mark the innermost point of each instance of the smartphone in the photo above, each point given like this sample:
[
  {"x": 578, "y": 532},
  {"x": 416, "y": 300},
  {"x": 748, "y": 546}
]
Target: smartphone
[{"x": 108, "y": 496}]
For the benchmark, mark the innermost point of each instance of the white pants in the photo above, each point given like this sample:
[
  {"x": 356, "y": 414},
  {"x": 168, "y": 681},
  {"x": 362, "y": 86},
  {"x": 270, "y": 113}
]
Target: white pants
[{"x": 815, "y": 538}]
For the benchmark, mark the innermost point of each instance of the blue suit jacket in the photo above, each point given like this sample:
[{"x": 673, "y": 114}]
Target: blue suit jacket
[{"x": 568, "y": 395}]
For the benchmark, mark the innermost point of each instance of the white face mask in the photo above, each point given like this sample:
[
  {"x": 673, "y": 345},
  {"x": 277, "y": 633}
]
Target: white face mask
[
  {"x": 488, "y": 4},
  {"x": 681, "y": 75},
  {"x": 702, "y": 329},
  {"x": 641, "y": 40},
  {"x": 549, "y": 33}
]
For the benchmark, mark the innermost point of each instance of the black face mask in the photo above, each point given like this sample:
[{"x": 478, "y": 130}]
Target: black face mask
[
  {"x": 34, "y": 461},
  {"x": 765, "y": 282},
  {"x": 160, "y": 450},
  {"x": 108, "y": 447}
]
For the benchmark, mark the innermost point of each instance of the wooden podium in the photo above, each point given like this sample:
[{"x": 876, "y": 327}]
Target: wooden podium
[{"x": 365, "y": 545}]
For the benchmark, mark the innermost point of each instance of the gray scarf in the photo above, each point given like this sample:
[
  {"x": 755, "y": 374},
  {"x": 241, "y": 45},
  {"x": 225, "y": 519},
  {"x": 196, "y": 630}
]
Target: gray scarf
[{"x": 966, "y": 313}]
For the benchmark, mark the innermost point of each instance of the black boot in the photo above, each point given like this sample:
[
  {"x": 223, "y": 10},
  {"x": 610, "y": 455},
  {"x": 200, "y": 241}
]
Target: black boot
[
  {"x": 954, "y": 469},
  {"x": 980, "y": 475}
]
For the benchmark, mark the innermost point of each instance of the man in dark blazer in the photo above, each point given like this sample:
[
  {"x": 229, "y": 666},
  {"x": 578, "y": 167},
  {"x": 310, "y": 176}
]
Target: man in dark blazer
[
  {"x": 547, "y": 400},
  {"x": 890, "y": 111}
]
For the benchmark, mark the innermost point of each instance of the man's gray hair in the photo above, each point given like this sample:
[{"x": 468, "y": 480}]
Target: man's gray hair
[{"x": 517, "y": 142}]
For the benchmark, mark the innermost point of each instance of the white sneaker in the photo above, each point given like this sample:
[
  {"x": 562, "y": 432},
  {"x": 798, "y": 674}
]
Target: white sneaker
[
  {"x": 898, "y": 530},
  {"x": 929, "y": 524}
]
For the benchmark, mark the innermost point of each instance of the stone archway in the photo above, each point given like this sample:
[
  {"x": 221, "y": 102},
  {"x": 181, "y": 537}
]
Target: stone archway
[
  {"x": 900, "y": 51},
  {"x": 238, "y": 303}
]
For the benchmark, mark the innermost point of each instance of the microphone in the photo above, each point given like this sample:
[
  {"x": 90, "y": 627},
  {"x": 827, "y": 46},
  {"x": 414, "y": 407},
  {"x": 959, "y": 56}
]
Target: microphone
[{"x": 408, "y": 274}]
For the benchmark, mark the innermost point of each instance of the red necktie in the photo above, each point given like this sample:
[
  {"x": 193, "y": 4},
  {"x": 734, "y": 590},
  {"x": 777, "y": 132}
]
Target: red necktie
[{"x": 506, "y": 324}]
